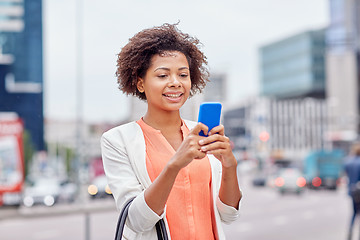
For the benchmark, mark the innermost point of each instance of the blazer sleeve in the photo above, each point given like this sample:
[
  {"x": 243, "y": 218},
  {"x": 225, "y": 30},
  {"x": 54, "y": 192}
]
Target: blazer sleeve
[
  {"x": 227, "y": 213},
  {"x": 124, "y": 184}
]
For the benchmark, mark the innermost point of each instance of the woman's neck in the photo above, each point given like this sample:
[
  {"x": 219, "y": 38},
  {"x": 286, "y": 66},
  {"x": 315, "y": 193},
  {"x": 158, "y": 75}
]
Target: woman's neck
[{"x": 163, "y": 121}]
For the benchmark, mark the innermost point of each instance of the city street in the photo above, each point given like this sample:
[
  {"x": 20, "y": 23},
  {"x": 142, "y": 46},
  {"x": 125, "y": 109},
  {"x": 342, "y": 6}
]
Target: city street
[
  {"x": 265, "y": 214},
  {"x": 92, "y": 97}
]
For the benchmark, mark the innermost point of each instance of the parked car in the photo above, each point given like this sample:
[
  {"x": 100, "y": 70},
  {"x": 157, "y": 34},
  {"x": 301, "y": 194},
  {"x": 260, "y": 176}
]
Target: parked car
[
  {"x": 44, "y": 191},
  {"x": 259, "y": 180},
  {"x": 290, "y": 180},
  {"x": 99, "y": 187}
]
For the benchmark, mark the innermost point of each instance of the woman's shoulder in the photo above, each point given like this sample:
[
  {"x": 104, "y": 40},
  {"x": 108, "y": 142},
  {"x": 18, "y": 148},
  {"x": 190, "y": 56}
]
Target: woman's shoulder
[{"x": 127, "y": 129}]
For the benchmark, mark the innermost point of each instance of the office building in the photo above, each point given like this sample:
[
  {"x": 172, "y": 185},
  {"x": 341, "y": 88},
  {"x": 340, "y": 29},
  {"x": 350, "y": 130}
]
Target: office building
[
  {"x": 343, "y": 64},
  {"x": 21, "y": 64},
  {"x": 294, "y": 67},
  {"x": 264, "y": 126}
]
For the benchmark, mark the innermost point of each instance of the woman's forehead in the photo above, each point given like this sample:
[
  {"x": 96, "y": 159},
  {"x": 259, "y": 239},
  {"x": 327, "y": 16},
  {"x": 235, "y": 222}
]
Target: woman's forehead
[{"x": 168, "y": 57}]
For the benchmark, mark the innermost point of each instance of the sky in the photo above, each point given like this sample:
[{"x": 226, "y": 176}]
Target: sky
[{"x": 231, "y": 33}]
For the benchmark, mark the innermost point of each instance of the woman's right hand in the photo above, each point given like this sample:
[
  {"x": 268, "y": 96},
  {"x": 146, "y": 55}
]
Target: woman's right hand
[
  {"x": 185, "y": 154},
  {"x": 189, "y": 148}
]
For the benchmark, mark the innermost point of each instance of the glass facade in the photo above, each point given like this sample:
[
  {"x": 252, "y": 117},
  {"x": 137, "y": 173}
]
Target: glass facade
[
  {"x": 343, "y": 33},
  {"x": 295, "y": 66},
  {"x": 21, "y": 77}
]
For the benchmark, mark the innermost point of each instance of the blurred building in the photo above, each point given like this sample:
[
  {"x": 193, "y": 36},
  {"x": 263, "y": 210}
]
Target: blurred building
[
  {"x": 294, "y": 66},
  {"x": 291, "y": 115},
  {"x": 263, "y": 126},
  {"x": 293, "y": 110},
  {"x": 298, "y": 125},
  {"x": 342, "y": 63},
  {"x": 62, "y": 134},
  {"x": 21, "y": 64},
  {"x": 239, "y": 126}
]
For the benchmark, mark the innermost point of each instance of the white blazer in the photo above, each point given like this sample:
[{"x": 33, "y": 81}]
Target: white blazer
[{"x": 123, "y": 154}]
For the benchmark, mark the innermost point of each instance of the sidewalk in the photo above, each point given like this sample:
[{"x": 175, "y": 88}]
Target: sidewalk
[{"x": 101, "y": 205}]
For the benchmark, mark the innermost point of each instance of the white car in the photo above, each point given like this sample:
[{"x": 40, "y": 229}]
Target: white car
[
  {"x": 43, "y": 191},
  {"x": 290, "y": 180}
]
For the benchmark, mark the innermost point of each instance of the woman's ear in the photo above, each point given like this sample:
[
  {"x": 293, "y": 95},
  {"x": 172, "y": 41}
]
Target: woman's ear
[{"x": 140, "y": 85}]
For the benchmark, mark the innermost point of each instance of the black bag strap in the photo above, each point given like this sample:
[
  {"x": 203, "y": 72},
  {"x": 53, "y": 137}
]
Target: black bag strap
[
  {"x": 121, "y": 220},
  {"x": 161, "y": 230},
  {"x": 160, "y": 225}
]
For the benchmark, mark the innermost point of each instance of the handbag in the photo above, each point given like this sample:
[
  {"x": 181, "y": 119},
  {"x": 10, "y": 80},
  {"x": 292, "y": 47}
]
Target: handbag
[{"x": 160, "y": 225}]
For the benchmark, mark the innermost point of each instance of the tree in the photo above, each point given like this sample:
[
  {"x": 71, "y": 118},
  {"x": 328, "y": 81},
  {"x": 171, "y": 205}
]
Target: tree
[{"x": 29, "y": 151}]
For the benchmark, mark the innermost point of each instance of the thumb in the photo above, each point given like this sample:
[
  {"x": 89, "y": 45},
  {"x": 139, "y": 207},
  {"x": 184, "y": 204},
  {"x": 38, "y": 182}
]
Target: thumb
[{"x": 198, "y": 128}]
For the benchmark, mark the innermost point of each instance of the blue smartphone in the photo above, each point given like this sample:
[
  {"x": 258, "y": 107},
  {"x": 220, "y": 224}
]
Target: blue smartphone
[{"x": 209, "y": 114}]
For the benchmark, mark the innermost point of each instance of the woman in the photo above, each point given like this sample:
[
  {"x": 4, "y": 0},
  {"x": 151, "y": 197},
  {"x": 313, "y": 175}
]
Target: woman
[{"x": 161, "y": 160}]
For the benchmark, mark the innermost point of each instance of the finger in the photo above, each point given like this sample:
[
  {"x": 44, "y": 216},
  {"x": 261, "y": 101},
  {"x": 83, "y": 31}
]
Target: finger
[
  {"x": 198, "y": 128},
  {"x": 214, "y": 138},
  {"x": 218, "y": 129},
  {"x": 200, "y": 155},
  {"x": 214, "y": 146},
  {"x": 219, "y": 152}
]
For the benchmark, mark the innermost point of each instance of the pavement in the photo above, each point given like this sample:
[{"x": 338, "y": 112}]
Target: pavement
[{"x": 100, "y": 205}]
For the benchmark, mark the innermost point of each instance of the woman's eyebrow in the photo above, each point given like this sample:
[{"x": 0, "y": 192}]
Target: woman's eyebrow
[
  {"x": 168, "y": 69},
  {"x": 182, "y": 68},
  {"x": 162, "y": 68}
]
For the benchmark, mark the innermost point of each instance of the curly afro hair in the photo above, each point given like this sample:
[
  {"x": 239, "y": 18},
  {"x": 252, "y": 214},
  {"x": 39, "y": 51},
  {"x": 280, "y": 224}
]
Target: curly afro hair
[{"x": 134, "y": 59}]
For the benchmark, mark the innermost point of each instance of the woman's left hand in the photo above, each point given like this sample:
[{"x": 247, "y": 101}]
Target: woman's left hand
[{"x": 219, "y": 145}]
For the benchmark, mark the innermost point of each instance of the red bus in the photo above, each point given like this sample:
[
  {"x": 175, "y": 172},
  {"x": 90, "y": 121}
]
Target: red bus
[{"x": 11, "y": 160}]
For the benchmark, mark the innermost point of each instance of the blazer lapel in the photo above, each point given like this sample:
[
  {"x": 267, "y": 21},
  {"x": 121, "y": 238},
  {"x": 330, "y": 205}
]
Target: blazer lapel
[{"x": 135, "y": 145}]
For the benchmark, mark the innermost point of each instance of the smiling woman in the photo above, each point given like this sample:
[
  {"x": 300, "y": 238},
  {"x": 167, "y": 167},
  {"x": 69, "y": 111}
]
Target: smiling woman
[
  {"x": 160, "y": 160},
  {"x": 167, "y": 82},
  {"x": 159, "y": 40}
]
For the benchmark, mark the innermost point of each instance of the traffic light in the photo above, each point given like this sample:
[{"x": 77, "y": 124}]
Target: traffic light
[{"x": 264, "y": 136}]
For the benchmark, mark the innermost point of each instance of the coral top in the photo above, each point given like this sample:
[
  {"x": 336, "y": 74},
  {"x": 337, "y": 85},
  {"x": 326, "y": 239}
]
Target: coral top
[{"x": 189, "y": 210}]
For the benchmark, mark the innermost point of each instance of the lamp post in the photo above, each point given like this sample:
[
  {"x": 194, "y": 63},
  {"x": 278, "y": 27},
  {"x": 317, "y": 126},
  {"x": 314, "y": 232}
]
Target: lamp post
[
  {"x": 79, "y": 112},
  {"x": 79, "y": 91}
]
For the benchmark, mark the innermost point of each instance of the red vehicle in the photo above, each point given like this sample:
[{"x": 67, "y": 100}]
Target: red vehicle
[
  {"x": 98, "y": 187},
  {"x": 11, "y": 160}
]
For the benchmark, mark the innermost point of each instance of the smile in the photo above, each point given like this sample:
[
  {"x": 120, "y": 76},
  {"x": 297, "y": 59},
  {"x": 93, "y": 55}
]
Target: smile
[{"x": 173, "y": 95}]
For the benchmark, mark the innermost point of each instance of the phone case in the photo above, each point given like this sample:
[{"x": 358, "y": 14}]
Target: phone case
[{"x": 209, "y": 114}]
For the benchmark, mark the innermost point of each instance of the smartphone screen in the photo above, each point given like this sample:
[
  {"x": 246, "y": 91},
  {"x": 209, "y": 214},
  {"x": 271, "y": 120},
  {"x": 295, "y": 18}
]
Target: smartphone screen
[{"x": 209, "y": 114}]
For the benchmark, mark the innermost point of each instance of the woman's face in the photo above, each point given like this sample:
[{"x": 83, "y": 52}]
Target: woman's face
[{"x": 167, "y": 82}]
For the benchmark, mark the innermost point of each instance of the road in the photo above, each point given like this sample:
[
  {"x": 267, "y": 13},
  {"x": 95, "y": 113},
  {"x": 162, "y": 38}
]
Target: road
[{"x": 264, "y": 215}]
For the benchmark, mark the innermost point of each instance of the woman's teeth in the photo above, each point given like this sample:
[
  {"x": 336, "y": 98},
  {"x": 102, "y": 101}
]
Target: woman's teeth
[{"x": 173, "y": 95}]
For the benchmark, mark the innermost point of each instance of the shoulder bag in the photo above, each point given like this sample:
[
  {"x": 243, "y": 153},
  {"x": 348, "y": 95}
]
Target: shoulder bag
[{"x": 160, "y": 225}]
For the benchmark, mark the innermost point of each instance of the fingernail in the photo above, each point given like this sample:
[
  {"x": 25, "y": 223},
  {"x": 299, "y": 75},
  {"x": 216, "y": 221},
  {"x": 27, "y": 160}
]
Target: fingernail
[
  {"x": 203, "y": 148},
  {"x": 201, "y": 142}
]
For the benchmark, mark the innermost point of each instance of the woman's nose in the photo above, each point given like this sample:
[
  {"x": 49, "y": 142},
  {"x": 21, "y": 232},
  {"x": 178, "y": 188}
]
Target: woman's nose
[{"x": 174, "y": 82}]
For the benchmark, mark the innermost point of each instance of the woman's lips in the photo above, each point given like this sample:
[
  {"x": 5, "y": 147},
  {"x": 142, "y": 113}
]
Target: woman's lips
[{"x": 173, "y": 97}]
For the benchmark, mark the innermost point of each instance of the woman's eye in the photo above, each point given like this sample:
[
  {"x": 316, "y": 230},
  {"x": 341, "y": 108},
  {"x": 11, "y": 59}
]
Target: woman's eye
[
  {"x": 162, "y": 76},
  {"x": 184, "y": 75}
]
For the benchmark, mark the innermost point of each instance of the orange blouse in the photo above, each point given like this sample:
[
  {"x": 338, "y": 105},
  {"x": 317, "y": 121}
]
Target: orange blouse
[{"x": 189, "y": 206}]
